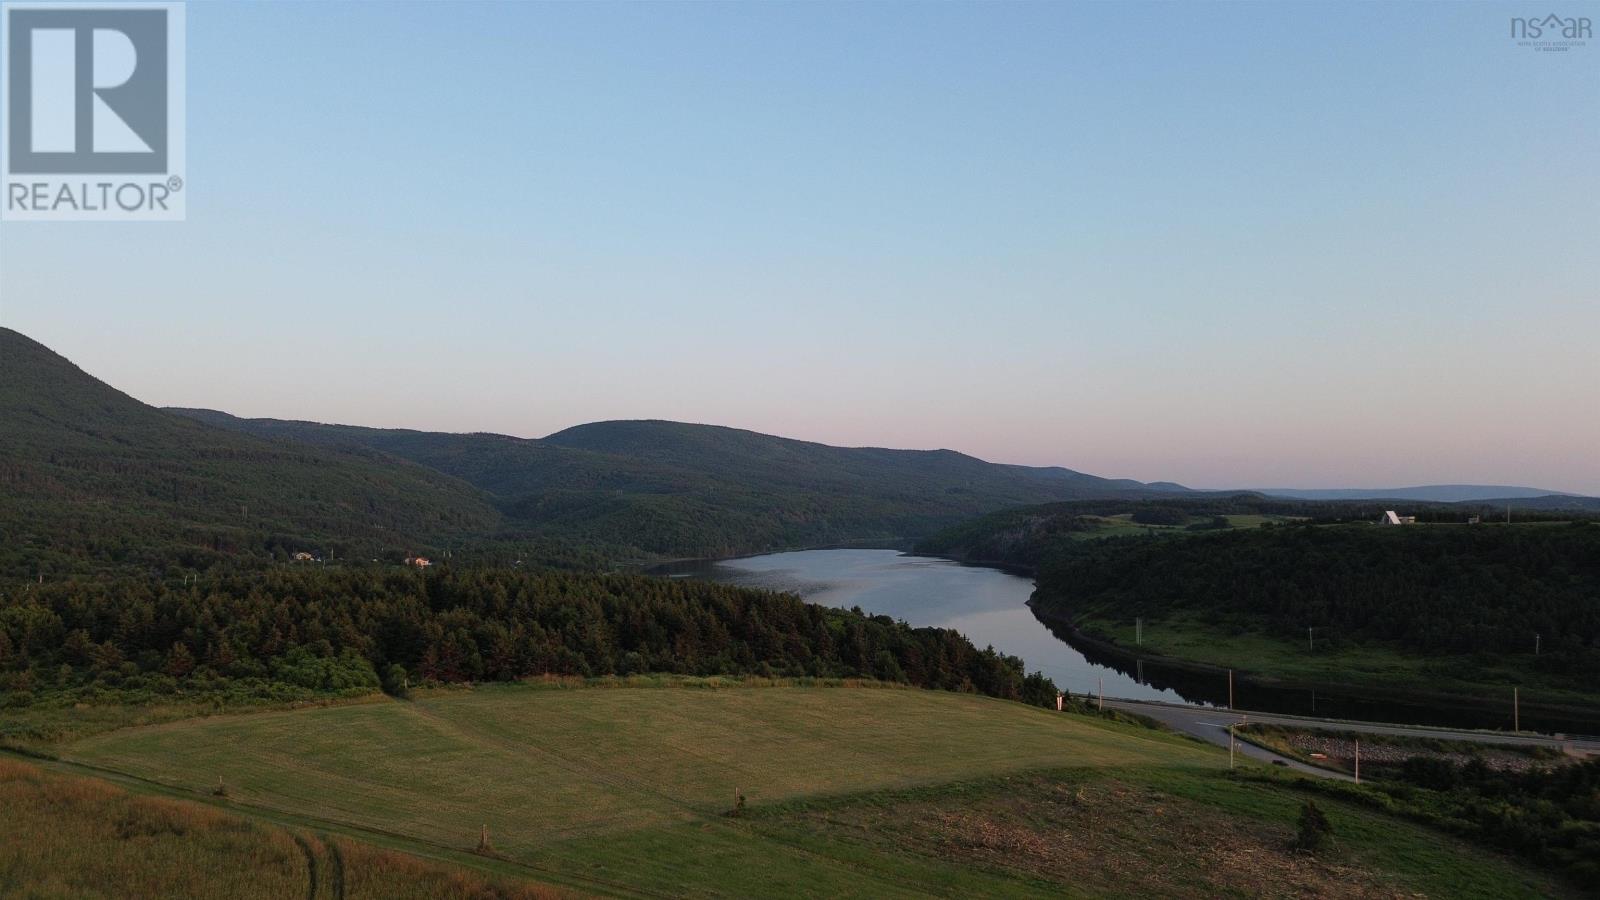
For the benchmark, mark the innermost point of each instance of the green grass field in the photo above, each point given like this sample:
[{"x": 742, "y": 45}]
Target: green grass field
[
  {"x": 544, "y": 767},
  {"x": 850, "y": 792}
]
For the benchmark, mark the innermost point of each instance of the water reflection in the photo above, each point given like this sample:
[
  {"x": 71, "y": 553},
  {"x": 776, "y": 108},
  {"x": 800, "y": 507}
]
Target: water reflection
[{"x": 987, "y": 605}]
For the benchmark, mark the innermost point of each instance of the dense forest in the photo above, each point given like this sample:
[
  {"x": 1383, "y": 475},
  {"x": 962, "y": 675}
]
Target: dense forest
[
  {"x": 1431, "y": 590},
  {"x": 331, "y": 629}
]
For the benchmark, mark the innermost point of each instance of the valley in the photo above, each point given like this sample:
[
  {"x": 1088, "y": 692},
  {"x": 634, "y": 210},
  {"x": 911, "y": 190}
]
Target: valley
[{"x": 371, "y": 662}]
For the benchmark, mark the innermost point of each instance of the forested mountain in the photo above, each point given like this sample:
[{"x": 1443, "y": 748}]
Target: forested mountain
[
  {"x": 673, "y": 489},
  {"x": 754, "y": 458},
  {"x": 90, "y": 477}
]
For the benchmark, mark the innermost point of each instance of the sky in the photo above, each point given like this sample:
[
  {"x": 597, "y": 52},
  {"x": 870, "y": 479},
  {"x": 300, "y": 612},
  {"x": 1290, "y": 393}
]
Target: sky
[{"x": 1230, "y": 245}]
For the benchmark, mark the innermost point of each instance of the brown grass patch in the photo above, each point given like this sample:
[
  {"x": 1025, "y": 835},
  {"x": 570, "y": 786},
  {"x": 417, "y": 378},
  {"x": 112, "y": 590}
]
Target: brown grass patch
[
  {"x": 68, "y": 837},
  {"x": 1110, "y": 838},
  {"x": 371, "y": 872}
]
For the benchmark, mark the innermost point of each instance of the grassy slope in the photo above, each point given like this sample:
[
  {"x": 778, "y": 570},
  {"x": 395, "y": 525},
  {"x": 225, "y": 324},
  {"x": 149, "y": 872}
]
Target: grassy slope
[
  {"x": 79, "y": 838},
  {"x": 1188, "y": 637},
  {"x": 852, "y": 792}
]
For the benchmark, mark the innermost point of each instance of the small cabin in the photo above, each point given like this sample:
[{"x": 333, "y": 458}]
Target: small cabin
[
  {"x": 421, "y": 562},
  {"x": 1393, "y": 518},
  {"x": 304, "y": 557}
]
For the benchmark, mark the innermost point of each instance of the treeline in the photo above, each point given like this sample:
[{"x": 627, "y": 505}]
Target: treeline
[
  {"x": 1023, "y": 536},
  {"x": 1432, "y": 590},
  {"x": 338, "y": 630}
]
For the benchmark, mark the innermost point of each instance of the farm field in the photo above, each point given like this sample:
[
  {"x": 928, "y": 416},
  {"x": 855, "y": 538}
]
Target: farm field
[
  {"x": 848, "y": 792},
  {"x": 79, "y": 838}
]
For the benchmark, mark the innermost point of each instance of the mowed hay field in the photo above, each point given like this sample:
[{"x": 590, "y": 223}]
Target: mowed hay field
[
  {"x": 73, "y": 838},
  {"x": 870, "y": 792},
  {"x": 541, "y": 766}
]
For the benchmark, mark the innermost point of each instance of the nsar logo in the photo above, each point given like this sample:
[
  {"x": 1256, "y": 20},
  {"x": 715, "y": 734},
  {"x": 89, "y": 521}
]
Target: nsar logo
[{"x": 1552, "y": 33}]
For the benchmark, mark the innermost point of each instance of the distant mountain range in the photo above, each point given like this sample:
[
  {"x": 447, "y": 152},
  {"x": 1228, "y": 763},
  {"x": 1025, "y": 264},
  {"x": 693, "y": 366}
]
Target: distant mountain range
[
  {"x": 674, "y": 489},
  {"x": 1432, "y": 493}
]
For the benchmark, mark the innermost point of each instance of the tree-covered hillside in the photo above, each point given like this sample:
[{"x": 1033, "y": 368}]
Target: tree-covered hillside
[
  {"x": 653, "y": 488},
  {"x": 1458, "y": 592},
  {"x": 1236, "y": 581},
  {"x": 337, "y": 628},
  {"x": 92, "y": 478}
]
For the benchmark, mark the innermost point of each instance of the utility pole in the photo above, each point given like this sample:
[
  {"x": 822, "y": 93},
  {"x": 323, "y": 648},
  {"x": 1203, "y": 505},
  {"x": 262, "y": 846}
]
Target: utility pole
[
  {"x": 1138, "y": 631},
  {"x": 1311, "y": 640},
  {"x": 1516, "y": 711},
  {"x": 1102, "y": 706},
  {"x": 1358, "y": 760},
  {"x": 1536, "y": 643},
  {"x": 1230, "y": 689}
]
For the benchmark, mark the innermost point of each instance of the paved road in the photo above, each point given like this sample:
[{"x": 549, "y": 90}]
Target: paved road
[{"x": 1211, "y": 724}]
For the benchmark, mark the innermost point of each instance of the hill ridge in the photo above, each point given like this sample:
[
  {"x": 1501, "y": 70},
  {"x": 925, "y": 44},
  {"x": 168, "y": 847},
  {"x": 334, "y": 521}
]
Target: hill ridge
[
  {"x": 90, "y": 476},
  {"x": 677, "y": 489}
]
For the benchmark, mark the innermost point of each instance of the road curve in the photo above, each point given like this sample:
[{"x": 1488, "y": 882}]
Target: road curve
[{"x": 1211, "y": 724}]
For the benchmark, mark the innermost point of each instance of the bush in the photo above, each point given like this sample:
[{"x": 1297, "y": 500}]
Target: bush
[
  {"x": 327, "y": 673},
  {"x": 396, "y": 683},
  {"x": 1314, "y": 828}
]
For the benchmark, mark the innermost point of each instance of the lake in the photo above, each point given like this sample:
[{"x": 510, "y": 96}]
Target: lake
[
  {"x": 986, "y": 605},
  {"x": 989, "y": 607}
]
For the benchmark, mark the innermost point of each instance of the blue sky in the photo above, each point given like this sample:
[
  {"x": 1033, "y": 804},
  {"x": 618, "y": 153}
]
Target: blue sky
[{"x": 1224, "y": 244}]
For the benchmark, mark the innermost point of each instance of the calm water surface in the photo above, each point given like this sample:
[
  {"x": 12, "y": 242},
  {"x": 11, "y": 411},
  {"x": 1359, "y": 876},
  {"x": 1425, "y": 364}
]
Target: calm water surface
[
  {"x": 989, "y": 607},
  {"x": 986, "y": 605}
]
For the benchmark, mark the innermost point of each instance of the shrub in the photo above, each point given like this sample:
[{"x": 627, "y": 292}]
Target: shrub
[
  {"x": 396, "y": 683},
  {"x": 1314, "y": 827}
]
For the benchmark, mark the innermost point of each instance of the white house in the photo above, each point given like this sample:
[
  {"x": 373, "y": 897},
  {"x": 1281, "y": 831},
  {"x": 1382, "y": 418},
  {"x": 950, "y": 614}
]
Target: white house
[{"x": 1390, "y": 518}]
